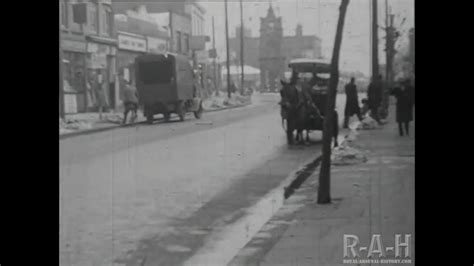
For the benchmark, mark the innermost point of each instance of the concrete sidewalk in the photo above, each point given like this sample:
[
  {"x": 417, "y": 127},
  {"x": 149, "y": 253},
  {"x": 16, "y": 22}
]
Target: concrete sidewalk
[{"x": 376, "y": 197}]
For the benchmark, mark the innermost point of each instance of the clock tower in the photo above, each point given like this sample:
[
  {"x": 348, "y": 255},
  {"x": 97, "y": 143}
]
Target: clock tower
[{"x": 271, "y": 57}]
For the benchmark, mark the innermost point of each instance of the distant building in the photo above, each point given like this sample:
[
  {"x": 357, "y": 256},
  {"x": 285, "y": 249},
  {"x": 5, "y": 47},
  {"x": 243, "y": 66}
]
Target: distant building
[
  {"x": 247, "y": 32},
  {"x": 271, "y": 51}
]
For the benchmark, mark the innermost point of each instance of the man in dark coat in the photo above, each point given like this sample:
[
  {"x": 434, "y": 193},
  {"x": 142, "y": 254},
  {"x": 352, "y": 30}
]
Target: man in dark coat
[
  {"x": 352, "y": 103},
  {"x": 374, "y": 95},
  {"x": 405, "y": 96},
  {"x": 130, "y": 101}
]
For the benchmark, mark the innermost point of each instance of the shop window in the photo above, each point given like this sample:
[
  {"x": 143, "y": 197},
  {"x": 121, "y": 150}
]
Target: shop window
[
  {"x": 185, "y": 43},
  {"x": 178, "y": 43},
  {"x": 63, "y": 15},
  {"x": 73, "y": 64},
  {"x": 93, "y": 17},
  {"x": 76, "y": 27},
  {"x": 107, "y": 21}
]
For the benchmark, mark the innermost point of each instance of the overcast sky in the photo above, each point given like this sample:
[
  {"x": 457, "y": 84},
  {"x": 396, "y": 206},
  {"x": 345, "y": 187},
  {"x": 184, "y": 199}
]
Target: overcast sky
[{"x": 318, "y": 17}]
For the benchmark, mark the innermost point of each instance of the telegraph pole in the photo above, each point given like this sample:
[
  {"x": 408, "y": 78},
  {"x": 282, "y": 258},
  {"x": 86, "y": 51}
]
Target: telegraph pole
[
  {"x": 241, "y": 48},
  {"x": 215, "y": 55},
  {"x": 391, "y": 38},
  {"x": 227, "y": 50},
  {"x": 387, "y": 43},
  {"x": 375, "y": 41},
  {"x": 388, "y": 61}
]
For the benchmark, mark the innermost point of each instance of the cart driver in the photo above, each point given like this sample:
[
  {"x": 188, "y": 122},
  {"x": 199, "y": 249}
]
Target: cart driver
[{"x": 308, "y": 93}]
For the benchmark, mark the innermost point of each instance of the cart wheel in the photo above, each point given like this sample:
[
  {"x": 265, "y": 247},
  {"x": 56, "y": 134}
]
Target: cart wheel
[
  {"x": 180, "y": 111},
  {"x": 149, "y": 119},
  {"x": 198, "y": 113}
]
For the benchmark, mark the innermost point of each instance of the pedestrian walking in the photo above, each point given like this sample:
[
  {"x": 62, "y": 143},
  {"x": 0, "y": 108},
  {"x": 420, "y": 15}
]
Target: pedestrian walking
[
  {"x": 130, "y": 101},
  {"x": 405, "y": 101},
  {"x": 352, "y": 103},
  {"x": 374, "y": 95},
  {"x": 91, "y": 97},
  {"x": 101, "y": 95}
]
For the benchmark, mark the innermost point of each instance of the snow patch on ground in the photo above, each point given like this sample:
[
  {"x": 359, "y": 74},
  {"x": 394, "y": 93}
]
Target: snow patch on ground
[
  {"x": 177, "y": 248},
  {"x": 222, "y": 101},
  {"x": 367, "y": 123},
  {"x": 346, "y": 155}
]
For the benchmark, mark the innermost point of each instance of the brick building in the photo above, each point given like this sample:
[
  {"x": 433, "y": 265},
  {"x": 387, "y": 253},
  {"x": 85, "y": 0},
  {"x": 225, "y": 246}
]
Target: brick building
[
  {"x": 137, "y": 35},
  {"x": 182, "y": 18},
  {"x": 271, "y": 51},
  {"x": 88, "y": 46}
]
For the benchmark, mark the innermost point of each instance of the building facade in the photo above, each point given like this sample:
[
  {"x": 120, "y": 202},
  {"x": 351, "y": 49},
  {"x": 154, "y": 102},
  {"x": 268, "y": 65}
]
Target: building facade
[
  {"x": 197, "y": 13},
  {"x": 278, "y": 56},
  {"x": 137, "y": 36},
  {"x": 271, "y": 58},
  {"x": 89, "y": 47},
  {"x": 183, "y": 19}
]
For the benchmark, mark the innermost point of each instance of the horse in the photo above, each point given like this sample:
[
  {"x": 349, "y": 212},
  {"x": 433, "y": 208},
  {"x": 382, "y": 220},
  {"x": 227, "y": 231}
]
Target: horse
[
  {"x": 299, "y": 112},
  {"x": 291, "y": 110}
]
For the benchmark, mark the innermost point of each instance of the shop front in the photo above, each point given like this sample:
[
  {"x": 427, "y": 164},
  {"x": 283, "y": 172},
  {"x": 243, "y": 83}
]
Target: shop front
[
  {"x": 100, "y": 62},
  {"x": 73, "y": 67},
  {"x": 129, "y": 47}
]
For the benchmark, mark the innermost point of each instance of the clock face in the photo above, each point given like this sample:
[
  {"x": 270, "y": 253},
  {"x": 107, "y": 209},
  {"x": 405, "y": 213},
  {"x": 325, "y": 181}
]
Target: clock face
[{"x": 271, "y": 25}]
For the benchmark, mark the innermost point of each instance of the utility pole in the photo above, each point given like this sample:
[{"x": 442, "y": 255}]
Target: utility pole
[
  {"x": 388, "y": 61},
  {"x": 215, "y": 55},
  {"x": 61, "y": 85},
  {"x": 324, "y": 188},
  {"x": 227, "y": 49},
  {"x": 391, "y": 38},
  {"x": 375, "y": 41},
  {"x": 241, "y": 48}
]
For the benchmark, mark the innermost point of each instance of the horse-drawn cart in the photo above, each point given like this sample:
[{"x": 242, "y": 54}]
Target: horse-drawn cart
[{"x": 304, "y": 98}]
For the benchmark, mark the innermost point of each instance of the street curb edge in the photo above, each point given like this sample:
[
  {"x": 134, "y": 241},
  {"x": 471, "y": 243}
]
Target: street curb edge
[{"x": 102, "y": 129}]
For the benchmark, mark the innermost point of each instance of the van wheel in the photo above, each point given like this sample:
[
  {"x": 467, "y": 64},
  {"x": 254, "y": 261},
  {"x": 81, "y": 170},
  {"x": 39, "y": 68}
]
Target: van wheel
[
  {"x": 198, "y": 113},
  {"x": 180, "y": 110},
  {"x": 166, "y": 116},
  {"x": 149, "y": 119}
]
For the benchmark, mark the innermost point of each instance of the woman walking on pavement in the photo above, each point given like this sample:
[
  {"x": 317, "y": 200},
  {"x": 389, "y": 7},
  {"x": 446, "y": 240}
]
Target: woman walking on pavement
[
  {"x": 352, "y": 103},
  {"x": 405, "y": 101}
]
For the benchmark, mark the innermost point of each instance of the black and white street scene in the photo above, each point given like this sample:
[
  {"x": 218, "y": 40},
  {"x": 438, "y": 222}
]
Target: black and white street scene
[{"x": 236, "y": 132}]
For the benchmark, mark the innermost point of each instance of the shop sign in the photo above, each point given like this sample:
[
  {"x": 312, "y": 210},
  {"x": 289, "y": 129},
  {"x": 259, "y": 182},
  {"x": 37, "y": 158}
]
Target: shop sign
[
  {"x": 198, "y": 42},
  {"x": 74, "y": 46},
  {"x": 131, "y": 43},
  {"x": 100, "y": 48},
  {"x": 157, "y": 46},
  {"x": 202, "y": 56}
]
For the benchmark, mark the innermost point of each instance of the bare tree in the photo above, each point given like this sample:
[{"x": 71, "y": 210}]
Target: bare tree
[{"x": 324, "y": 195}]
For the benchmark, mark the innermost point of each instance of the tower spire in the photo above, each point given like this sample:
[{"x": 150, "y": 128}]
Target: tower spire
[{"x": 270, "y": 9}]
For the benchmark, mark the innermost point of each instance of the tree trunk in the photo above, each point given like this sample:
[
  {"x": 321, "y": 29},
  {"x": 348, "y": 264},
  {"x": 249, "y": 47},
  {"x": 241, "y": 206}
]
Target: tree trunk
[{"x": 324, "y": 195}]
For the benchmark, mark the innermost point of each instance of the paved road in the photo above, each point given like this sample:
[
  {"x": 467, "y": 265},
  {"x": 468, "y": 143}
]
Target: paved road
[{"x": 126, "y": 186}]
